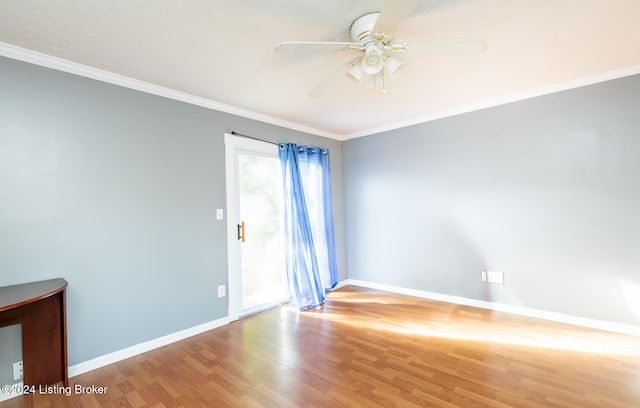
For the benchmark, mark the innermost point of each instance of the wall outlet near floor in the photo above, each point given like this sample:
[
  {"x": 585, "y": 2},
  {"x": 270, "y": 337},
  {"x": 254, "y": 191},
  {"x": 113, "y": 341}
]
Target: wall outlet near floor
[
  {"x": 493, "y": 277},
  {"x": 17, "y": 370},
  {"x": 222, "y": 291}
]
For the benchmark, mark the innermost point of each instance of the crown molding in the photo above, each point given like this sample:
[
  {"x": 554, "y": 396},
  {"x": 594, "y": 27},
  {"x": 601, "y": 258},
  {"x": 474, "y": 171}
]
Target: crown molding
[
  {"x": 37, "y": 58},
  {"x": 48, "y": 61},
  {"x": 545, "y": 90}
]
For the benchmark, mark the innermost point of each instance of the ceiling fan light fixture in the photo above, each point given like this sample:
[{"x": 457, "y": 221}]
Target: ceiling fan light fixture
[
  {"x": 392, "y": 67},
  {"x": 355, "y": 72},
  {"x": 372, "y": 64},
  {"x": 371, "y": 35},
  {"x": 373, "y": 60}
]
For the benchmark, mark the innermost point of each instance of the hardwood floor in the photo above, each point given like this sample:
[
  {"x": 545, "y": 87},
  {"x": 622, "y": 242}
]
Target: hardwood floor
[{"x": 373, "y": 349}]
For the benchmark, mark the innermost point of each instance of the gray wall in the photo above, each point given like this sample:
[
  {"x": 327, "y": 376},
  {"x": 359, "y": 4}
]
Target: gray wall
[
  {"x": 546, "y": 190},
  {"x": 116, "y": 191}
]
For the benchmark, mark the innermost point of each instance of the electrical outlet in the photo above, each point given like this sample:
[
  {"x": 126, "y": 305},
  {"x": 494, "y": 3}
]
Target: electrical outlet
[
  {"x": 17, "y": 370},
  {"x": 495, "y": 277},
  {"x": 484, "y": 276},
  {"x": 222, "y": 289}
]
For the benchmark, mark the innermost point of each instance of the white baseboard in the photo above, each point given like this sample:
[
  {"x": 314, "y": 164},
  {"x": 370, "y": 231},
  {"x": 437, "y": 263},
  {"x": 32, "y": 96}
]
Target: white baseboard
[
  {"x": 134, "y": 350},
  {"x": 10, "y": 391},
  {"x": 501, "y": 307}
]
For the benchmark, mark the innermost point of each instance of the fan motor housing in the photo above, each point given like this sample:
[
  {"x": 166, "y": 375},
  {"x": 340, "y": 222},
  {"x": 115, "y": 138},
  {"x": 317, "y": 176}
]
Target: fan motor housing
[{"x": 361, "y": 28}]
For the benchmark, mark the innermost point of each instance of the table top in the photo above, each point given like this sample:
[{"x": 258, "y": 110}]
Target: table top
[{"x": 19, "y": 295}]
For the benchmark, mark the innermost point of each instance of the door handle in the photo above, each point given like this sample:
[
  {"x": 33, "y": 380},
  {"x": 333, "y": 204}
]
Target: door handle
[{"x": 241, "y": 231}]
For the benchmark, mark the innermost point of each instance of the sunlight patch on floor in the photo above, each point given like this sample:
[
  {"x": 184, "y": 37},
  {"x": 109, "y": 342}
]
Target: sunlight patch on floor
[{"x": 469, "y": 324}]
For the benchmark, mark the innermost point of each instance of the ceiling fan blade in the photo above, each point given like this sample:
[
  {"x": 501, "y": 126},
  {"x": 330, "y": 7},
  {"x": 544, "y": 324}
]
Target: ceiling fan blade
[
  {"x": 392, "y": 14},
  {"x": 328, "y": 81},
  {"x": 444, "y": 46},
  {"x": 313, "y": 46}
]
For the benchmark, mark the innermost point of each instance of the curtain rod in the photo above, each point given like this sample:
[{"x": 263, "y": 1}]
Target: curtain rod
[{"x": 233, "y": 132}]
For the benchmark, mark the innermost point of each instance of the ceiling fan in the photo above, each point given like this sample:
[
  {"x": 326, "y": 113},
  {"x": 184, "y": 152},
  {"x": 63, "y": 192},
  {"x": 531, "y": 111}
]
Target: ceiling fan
[{"x": 372, "y": 36}]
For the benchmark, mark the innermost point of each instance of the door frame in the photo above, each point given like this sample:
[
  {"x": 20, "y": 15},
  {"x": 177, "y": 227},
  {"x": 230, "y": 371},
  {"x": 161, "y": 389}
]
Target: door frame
[{"x": 235, "y": 145}]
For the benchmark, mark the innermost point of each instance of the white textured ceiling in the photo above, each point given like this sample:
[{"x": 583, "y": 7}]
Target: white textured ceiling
[{"x": 222, "y": 50}]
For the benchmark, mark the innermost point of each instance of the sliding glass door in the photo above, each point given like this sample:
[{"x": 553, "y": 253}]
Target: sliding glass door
[{"x": 256, "y": 259}]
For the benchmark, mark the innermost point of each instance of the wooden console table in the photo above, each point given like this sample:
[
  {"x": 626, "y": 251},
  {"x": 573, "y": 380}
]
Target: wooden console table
[{"x": 41, "y": 309}]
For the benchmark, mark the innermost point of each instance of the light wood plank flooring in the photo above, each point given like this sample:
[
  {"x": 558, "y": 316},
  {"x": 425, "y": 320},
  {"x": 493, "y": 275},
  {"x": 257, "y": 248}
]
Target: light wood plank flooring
[{"x": 373, "y": 349}]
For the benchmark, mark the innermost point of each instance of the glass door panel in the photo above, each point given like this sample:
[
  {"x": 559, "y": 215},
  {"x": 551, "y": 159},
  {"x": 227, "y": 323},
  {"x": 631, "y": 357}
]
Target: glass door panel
[{"x": 261, "y": 259}]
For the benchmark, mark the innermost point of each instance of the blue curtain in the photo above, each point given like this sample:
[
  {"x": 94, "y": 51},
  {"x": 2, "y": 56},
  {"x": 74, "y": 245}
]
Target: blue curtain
[{"x": 308, "y": 224}]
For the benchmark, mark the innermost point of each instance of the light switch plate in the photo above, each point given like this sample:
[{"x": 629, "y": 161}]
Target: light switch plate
[{"x": 219, "y": 214}]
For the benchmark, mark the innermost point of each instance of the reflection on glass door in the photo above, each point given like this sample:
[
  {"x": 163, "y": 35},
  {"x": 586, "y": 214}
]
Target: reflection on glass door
[{"x": 262, "y": 263}]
